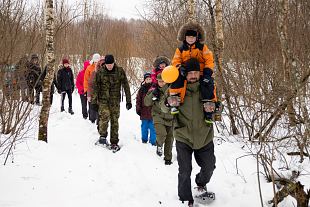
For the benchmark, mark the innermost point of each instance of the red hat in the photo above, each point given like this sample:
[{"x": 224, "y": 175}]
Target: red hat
[{"x": 64, "y": 61}]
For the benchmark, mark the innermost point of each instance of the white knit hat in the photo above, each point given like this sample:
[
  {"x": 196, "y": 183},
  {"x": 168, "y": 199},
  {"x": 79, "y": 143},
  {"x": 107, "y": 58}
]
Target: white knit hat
[{"x": 96, "y": 58}]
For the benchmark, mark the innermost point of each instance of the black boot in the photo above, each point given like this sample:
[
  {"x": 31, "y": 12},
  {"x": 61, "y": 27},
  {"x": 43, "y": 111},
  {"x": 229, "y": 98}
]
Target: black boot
[{"x": 70, "y": 111}]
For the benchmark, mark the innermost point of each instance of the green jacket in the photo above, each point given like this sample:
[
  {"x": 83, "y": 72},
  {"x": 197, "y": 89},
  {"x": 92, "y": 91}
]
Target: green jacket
[
  {"x": 189, "y": 126},
  {"x": 107, "y": 86},
  {"x": 159, "y": 117}
]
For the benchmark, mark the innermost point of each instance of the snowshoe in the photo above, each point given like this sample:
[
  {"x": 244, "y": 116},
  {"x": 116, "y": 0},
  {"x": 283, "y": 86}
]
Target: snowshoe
[
  {"x": 159, "y": 151},
  {"x": 103, "y": 142},
  {"x": 115, "y": 148},
  {"x": 205, "y": 198}
]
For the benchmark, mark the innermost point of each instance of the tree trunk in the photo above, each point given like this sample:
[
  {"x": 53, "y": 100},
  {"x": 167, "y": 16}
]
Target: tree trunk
[
  {"x": 287, "y": 56},
  {"x": 218, "y": 45},
  {"x": 50, "y": 59}
]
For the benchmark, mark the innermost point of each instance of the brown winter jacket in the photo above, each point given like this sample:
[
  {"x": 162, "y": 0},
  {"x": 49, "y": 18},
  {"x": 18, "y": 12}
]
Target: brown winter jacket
[{"x": 141, "y": 109}]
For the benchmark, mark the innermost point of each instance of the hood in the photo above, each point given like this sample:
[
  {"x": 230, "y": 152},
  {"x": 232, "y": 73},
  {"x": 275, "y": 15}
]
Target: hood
[
  {"x": 192, "y": 26},
  {"x": 160, "y": 59}
]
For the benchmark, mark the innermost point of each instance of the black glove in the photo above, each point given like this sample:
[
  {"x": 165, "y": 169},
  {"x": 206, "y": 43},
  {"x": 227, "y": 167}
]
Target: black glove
[
  {"x": 207, "y": 76},
  {"x": 139, "y": 113},
  {"x": 145, "y": 88},
  {"x": 183, "y": 71},
  {"x": 59, "y": 91},
  {"x": 156, "y": 94},
  {"x": 128, "y": 106},
  {"x": 72, "y": 89}
]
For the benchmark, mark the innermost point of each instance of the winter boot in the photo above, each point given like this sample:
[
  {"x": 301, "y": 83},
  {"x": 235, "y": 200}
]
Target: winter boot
[
  {"x": 103, "y": 140},
  {"x": 159, "y": 151},
  {"x": 62, "y": 109},
  {"x": 190, "y": 203},
  {"x": 115, "y": 147},
  {"x": 168, "y": 162},
  {"x": 70, "y": 111}
]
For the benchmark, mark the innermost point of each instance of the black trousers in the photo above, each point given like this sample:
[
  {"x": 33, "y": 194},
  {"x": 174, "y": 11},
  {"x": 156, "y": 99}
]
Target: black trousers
[
  {"x": 63, "y": 96},
  {"x": 92, "y": 114},
  {"x": 84, "y": 105},
  {"x": 204, "y": 157}
]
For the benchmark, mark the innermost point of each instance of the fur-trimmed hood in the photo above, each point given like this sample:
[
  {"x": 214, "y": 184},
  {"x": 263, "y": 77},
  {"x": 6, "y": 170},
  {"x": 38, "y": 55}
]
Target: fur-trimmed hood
[
  {"x": 159, "y": 60},
  {"x": 192, "y": 26}
]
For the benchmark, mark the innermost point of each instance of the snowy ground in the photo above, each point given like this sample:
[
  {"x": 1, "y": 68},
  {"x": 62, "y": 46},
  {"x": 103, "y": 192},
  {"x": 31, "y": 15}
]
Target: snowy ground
[{"x": 71, "y": 171}]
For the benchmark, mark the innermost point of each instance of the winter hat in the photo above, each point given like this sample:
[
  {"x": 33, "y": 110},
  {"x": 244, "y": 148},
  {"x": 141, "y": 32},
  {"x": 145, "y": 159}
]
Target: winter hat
[
  {"x": 86, "y": 64},
  {"x": 64, "y": 61},
  {"x": 96, "y": 58},
  {"x": 146, "y": 75},
  {"x": 34, "y": 56},
  {"x": 192, "y": 65},
  {"x": 109, "y": 59},
  {"x": 190, "y": 32}
]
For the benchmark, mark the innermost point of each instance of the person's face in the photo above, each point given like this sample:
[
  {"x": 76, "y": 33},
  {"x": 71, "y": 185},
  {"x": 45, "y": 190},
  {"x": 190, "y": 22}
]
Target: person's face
[
  {"x": 109, "y": 66},
  {"x": 161, "y": 83},
  {"x": 190, "y": 39},
  {"x": 193, "y": 76},
  {"x": 148, "y": 80},
  {"x": 162, "y": 66},
  {"x": 35, "y": 60},
  {"x": 66, "y": 65}
]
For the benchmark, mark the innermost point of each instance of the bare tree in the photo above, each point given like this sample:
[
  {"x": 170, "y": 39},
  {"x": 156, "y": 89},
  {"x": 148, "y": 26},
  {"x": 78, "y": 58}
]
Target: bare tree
[{"x": 49, "y": 28}]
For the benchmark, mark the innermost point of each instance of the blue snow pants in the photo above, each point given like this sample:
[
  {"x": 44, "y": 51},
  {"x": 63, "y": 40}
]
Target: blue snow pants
[{"x": 147, "y": 128}]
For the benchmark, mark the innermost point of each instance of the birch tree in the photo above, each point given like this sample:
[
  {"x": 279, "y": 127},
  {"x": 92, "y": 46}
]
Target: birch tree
[{"x": 50, "y": 59}]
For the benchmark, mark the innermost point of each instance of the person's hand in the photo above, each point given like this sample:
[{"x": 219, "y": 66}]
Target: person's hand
[
  {"x": 128, "y": 106},
  {"x": 85, "y": 94},
  {"x": 173, "y": 100},
  {"x": 183, "y": 71},
  {"x": 209, "y": 106},
  {"x": 89, "y": 99},
  {"x": 156, "y": 94},
  {"x": 59, "y": 91},
  {"x": 139, "y": 113}
]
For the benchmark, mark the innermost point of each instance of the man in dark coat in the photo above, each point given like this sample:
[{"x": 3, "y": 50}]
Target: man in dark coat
[
  {"x": 65, "y": 84},
  {"x": 33, "y": 79},
  {"x": 147, "y": 125},
  {"x": 107, "y": 94}
]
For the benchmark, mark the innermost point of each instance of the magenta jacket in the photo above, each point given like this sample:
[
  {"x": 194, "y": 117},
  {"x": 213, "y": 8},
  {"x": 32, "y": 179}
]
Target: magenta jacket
[
  {"x": 155, "y": 72},
  {"x": 80, "y": 78}
]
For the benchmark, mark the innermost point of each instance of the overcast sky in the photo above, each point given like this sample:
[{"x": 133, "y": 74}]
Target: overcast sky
[{"x": 123, "y": 8}]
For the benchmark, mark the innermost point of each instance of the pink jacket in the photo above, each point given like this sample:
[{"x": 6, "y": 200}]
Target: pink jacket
[
  {"x": 80, "y": 78},
  {"x": 155, "y": 72}
]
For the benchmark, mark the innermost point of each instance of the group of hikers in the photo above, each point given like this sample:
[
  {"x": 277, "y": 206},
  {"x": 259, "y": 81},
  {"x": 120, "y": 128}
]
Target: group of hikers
[{"x": 182, "y": 110}]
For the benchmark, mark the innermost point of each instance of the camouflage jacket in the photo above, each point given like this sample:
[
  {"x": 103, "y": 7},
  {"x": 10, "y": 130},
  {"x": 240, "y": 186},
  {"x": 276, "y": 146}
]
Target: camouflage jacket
[{"x": 107, "y": 86}]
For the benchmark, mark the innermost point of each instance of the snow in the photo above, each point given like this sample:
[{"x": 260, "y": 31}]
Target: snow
[{"x": 70, "y": 170}]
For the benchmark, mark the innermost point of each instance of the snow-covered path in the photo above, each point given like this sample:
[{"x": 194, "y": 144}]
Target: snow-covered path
[{"x": 71, "y": 171}]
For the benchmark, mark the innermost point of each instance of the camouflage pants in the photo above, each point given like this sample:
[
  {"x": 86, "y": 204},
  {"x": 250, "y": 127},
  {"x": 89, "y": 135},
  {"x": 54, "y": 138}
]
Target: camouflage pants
[
  {"x": 164, "y": 136},
  {"x": 109, "y": 113}
]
